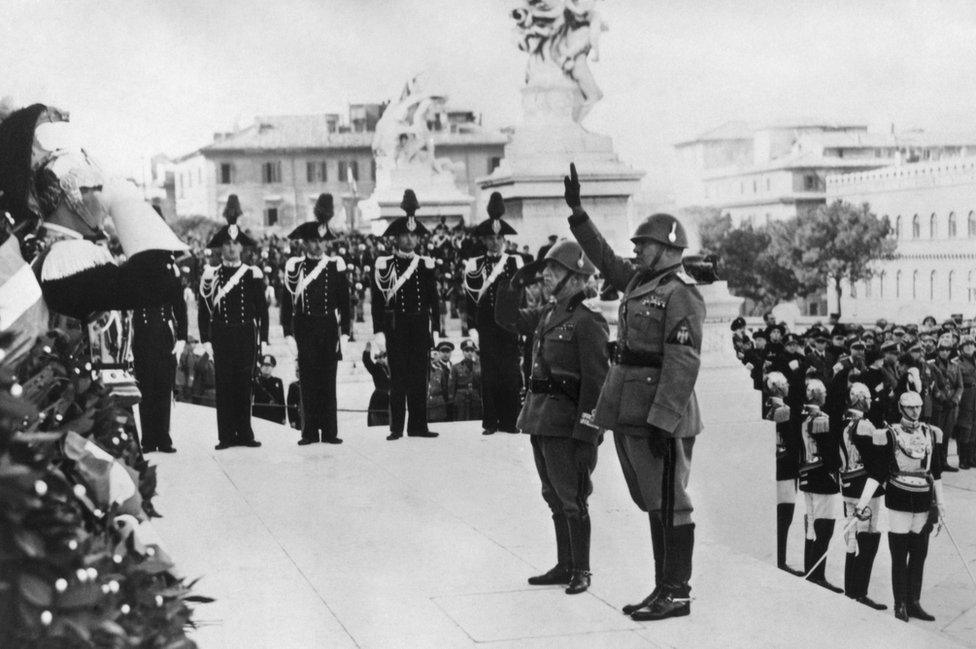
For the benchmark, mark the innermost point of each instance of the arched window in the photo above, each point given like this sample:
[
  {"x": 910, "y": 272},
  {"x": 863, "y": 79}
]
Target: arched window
[
  {"x": 881, "y": 280},
  {"x": 949, "y": 285},
  {"x": 932, "y": 286},
  {"x": 933, "y": 227},
  {"x": 916, "y": 227},
  {"x": 898, "y": 284},
  {"x": 898, "y": 224},
  {"x": 914, "y": 284},
  {"x": 971, "y": 225},
  {"x": 952, "y": 225}
]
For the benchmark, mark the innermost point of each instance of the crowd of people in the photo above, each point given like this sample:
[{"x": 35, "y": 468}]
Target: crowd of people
[{"x": 865, "y": 415}]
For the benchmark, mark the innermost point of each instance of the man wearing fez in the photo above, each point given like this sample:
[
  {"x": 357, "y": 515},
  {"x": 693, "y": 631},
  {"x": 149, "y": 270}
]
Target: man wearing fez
[
  {"x": 317, "y": 286},
  {"x": 569, "y": 363},
  {"x": 405, "y": 307},
  {"x": 233, "y": 293},
  {"x": 500, "y": 378},
  {"x": 648, "y": 400}
]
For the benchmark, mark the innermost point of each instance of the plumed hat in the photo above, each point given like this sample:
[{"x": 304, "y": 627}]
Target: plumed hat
[
  {"x": 407, "y": 224},
  {"x": 317, "y": 230},
  {"x": 231, "y": 231},
  {"x": 494, "y": 225},
  {"x": 324, "y": 209},
  {"x": 409, "y": 204}
]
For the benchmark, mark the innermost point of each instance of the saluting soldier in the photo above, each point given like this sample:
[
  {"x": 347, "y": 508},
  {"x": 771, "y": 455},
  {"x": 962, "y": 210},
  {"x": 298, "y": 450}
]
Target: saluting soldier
[
  {"x": 648, "y": 400},
  {"x": 569, "y": 364},
  {"x": 316, "y": 287},
  {"x": 233, "y": 293},
  {"x": 405, "y": 307},
  {"x": 500, "y": 377}
]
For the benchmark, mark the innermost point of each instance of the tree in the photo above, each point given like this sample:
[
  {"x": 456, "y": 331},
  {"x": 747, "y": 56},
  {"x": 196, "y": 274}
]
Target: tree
[{"x": 838, "y": 241}]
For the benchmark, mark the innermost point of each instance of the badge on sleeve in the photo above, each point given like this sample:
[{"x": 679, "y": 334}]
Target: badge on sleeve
[{"x": 681, "y": 334}]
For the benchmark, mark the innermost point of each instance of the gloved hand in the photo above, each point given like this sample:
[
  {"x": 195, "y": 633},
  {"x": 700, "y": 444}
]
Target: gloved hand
[
  {"x": 862, "y": 513},
  {"x": 473, "y": 335},
  {"x": 379, "y": 344},
  {"x": 658, "y": 441},
  {"x": 207, "y": 347},
  {"x": 292, "y": 345},
  {"x": 572, "y": 188},
  {"x": 265, "y": 347},
  {"x": 178, "y": 348}
]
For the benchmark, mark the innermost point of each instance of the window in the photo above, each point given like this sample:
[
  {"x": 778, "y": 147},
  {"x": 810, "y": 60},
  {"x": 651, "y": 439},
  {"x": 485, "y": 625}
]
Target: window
[
  {"x": 493, "y": 163},
  {"x": 898, "y": 284},
  {"x": 316, "y": 171},
  {"x": 354, "y": 169},
  {"x": 971, "y": 225},
  {"x": 226, "y": 174},
  {"x": 916, "y": 229},
  {"x": 949, "y": 285},
  {"x": 952, "y": 225},
  {"x": 271, "y": 172},
  {"x": 914, "y": 284},
  {"x": 372, "y": 169},
  {"x": 270, "y": 215},
  {"x": 881, "y": 279},
  {"x": 932, "y": 286},
  {"x": 810, "y": 182},
  {"x": 182, "y": 191},
  {"x": 933, "y": 227},
  {"x": 898, "y": 227}
]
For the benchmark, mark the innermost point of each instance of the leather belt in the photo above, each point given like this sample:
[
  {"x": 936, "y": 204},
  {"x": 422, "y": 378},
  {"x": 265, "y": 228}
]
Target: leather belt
[{"x": 626, "y": 356}]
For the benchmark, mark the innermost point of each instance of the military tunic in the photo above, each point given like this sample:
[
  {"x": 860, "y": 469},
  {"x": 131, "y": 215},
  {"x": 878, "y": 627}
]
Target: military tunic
[
  {"x": 500, "y": 376},
  {"x": 439, "y": 407},
  {"x": 238, "y": 318},
  {"x": 466, "y": 383},
  {"x": 405, "y": 307},
  {"x": 315, "y": 289}
]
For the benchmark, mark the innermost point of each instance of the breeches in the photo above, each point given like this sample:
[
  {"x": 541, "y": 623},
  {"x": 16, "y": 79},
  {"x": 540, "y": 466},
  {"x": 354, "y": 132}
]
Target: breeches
[{"x": 658, "y": 484}]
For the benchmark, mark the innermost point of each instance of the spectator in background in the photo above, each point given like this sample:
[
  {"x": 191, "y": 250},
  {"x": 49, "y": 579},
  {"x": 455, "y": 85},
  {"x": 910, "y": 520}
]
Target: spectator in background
[{"x": 269, "y": 392}]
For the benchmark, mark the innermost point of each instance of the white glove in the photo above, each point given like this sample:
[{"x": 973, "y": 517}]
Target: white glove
[
  {"x": 291, "y": 345},
  {"x": 379, "y": 344},
  {"x": 473, "y": 335},
  {"x": 264, "y": 348},
  {"x": 207, "y": 347},
  {"x": 178, "y": 348},
  {"x": 344, "y": 338}
]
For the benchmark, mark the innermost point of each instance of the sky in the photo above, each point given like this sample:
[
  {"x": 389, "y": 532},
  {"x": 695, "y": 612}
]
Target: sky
[{"x": 147, "y": 77}]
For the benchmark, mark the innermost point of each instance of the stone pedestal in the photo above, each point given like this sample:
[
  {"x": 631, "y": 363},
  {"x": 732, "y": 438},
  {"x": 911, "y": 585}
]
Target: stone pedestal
[
  {"x": 530, "y": 177},
  {"x": 436, "y": 192}
]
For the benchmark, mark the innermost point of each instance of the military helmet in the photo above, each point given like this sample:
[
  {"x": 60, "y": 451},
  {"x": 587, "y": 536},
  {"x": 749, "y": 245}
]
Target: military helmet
[
  {"x": 777, "y": 384},
  {"x": 816, "y": 391},
  {"x": 910, "y": 399},
  {"x": 859, "y": 396},
  {"x": 570, "y": 256},
  {"x": 662, "y": 228}
]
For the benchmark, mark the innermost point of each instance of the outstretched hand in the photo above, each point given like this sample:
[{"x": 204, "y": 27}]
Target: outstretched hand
[{"x": 572, "y": 185}]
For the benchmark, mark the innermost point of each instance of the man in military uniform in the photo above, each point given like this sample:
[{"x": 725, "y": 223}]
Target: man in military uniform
[
  {"x": 269, "y": 392},
  {"x": 439, "y": 388},
  {"x": 648, "y": 400},
  {"x": 233, "y": 293},
  {"x": 405, "y": 307},
  {"x": 569, "y": 363},
  {"x": 500, "y": 377},
  {"x": 466, "y": 384},
  {"x": 316, "y": 286}
]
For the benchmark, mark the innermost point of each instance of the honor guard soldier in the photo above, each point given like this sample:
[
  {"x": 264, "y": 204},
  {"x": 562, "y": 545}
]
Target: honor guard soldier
[
  {"x": 779, "y": 411},
  {"x": 648, "y": 400},
  {"x": 500, "y": 376},
  {"x": 233, "y": 293},
  {"x": 860, "y": 439},
  {"x": 316, "y": 287},
  {"x": 405, "y": 307},
  {"x": 908, "y": 462},
  {"x": 569, "y": 364}
]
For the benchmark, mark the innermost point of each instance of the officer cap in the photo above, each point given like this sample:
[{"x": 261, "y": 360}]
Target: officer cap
[
  {"x": 916, "y": 347},
  {"x": 468, "y": 345},
  {"x": 738, "y": 323},
  {"x": 838, "y": 330},
  {"x": 820, "y": 336},
  {"x": 869, "y": 333},
  {"x": 445, "y": 346},
  {"x": 268, "y": 359},
  {"x": 791, "y": 339},
  {"x": 889, "y": 347},
  {"x": 662, "y": 228},
  {"x": 858, "y": 344},
  {"x": 899, "y": 331}
]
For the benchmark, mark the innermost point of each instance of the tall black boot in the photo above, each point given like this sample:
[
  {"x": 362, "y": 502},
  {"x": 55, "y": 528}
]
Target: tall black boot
[
  {"x": 867, "y": 544},
  {"x": 657, "y": 545},
  {"x": 675, "y": 596},
  {"x": 823, "y": 528},
  {"x": 850, "y": 575},
  {"x": 898, "y": 544},
  {"x": 965, "y": 455},
  {"x": 579, "y": 543},
  {"x": 561, "y": 573},
  {"x": 784, "y": 518},
  {"x": 918, "y": 550},
  {"x": 808, "y": 549}
]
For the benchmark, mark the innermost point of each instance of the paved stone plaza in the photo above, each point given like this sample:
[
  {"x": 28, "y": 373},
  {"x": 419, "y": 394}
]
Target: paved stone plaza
[{"x": 427, "y": 543}]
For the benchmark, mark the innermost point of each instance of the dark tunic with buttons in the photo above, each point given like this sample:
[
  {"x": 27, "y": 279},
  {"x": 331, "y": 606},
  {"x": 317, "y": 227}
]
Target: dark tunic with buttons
[
  {"x": 315, "y": 289},
  {"x": 238, "y": 317},
  {"x": 466, "y": 383},
  {"x": 406, "y": 318}
]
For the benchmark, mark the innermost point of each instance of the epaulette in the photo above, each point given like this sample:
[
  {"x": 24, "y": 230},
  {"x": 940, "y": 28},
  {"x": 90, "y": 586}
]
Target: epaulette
[
  {"x": 73, "y": 256},
  {"x": 428, "y": 262},
  {"x": 685, "y": 278},
  {"x": 381, "y": 262},
  {"x": 340, "y": 264},
  {"x": 292, "y": 263},
  {"x": 470, "y": 264},
  {"x": 257, "y": 272}
]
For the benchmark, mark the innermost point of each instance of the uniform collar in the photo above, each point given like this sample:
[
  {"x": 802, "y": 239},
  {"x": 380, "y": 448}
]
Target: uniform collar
[{"x": 61, "y": 232}]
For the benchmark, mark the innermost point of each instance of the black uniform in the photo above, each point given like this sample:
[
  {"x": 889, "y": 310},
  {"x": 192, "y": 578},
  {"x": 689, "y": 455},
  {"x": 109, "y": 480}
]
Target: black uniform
[
  {"x": 155, "y": 332},
  {"x": 500, "y": 375},
  {"x": 315, "y": 290},
  {"x": 238, "y": 317},
  {"x": 405, "y": 315},
  {"x": 379, "y": 401},
  {"x": 269, "y": 399}
]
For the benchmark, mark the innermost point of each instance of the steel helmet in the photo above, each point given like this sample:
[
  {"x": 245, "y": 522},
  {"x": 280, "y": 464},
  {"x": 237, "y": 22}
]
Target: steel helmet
[
  {"x": 570, "y": 256},
  {"x": 859, "y": 396},
  {"x": 816, "y": 391},
  {"x": 662, "y": 228}
]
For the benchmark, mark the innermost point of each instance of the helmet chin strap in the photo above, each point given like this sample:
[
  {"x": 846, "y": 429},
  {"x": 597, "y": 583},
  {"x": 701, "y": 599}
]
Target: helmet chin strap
[{"x": 557, "y": 289}]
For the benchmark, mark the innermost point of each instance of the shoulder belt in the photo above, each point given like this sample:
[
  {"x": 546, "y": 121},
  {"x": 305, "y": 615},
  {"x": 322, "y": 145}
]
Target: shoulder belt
[
  {"x": 400, "y": 281},
  {"x": 305, "y": 280},
  {"x": 229, "y": 286}
]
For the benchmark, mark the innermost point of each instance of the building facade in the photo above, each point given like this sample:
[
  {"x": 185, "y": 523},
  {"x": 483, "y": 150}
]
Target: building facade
[
  {"x": 279, "y": 165},
  {"x": 932, "y": 208}
]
